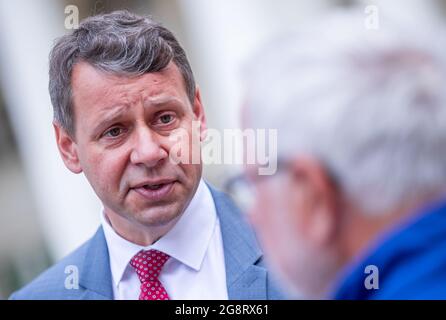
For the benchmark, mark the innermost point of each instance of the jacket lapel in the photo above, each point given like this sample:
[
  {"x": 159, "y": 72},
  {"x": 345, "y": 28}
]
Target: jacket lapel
[
  {"x": 95, "y": 275},
  {"x": 245, "y": 280}
]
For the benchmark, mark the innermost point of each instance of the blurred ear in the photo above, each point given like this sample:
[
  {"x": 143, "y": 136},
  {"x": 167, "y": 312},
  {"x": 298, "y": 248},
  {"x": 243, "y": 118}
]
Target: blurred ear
[
  {"x": 67, "y": 148},
  {"x": 314, "y": 201},
  {"x": 199, "y": 113}
]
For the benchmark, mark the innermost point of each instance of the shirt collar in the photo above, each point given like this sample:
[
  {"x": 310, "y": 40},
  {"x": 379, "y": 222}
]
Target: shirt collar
[{"x": 186, "y": 242}]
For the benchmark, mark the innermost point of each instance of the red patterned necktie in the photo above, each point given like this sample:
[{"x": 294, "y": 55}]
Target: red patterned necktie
[{"x": 148, "y": 266}]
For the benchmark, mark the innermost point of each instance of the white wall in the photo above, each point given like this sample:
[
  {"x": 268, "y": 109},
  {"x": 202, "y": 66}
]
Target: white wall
[{"x": 67, "y": 208}]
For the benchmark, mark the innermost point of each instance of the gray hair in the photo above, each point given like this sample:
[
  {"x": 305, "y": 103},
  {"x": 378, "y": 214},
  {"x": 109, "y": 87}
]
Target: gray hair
[
  {"x": 120, "y": 43},
  {"x": 369, "y": 104}
]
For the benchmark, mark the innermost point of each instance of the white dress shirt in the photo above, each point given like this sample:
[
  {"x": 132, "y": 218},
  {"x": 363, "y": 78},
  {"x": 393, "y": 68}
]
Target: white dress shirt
[{"x": 196, "y": 268}]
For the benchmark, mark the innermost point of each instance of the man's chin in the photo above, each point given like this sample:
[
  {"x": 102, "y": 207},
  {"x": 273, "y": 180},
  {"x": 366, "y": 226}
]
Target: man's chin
[{"x": 158, "y": 216}]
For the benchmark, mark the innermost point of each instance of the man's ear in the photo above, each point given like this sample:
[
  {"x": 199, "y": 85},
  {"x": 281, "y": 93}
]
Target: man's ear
[
  {"x": 316, "y": 201},
  {"x": 67, "y": 148},
  {"x": 199, "y": 113}
]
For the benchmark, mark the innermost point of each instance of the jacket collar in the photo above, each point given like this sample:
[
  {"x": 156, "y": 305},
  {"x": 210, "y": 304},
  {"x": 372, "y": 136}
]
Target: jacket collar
[
  {"x": 245, "y": 280},
  {"x": 95, "y": 275}
]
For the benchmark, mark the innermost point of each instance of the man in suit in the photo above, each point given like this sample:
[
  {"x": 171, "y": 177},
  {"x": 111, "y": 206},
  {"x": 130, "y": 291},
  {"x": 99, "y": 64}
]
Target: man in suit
[
  {"x": 125, "y": 108},
  {"x": 357, "y": 209}
]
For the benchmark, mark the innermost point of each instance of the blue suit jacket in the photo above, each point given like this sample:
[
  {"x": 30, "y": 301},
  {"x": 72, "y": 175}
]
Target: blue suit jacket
[
  {"x": 411, "y": 261},
  {"x": 246, "y": 276}
]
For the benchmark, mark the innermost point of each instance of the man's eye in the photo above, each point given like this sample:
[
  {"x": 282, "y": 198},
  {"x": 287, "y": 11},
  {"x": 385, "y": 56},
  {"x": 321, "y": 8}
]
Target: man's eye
[
  {"x": 113, "y": 132},
  {"x": 166, "y": 118}
]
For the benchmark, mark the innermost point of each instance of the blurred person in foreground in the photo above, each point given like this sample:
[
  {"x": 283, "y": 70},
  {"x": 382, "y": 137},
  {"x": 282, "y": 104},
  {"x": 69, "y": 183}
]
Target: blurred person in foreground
[
  {"x": 122, "y": 88},
  {"x": 357, "y": 207}
]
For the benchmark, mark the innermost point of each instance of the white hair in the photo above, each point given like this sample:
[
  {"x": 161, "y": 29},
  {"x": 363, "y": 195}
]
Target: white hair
[{"x": 369, "y": 104}]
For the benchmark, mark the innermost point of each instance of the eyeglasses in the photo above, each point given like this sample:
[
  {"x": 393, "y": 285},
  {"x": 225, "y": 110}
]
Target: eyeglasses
[{"x": 242, "y": 187}]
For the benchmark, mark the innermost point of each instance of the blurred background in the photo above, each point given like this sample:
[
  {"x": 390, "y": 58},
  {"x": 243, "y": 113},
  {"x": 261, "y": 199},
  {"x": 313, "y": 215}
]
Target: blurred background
[{"x": 45, "y": 211}]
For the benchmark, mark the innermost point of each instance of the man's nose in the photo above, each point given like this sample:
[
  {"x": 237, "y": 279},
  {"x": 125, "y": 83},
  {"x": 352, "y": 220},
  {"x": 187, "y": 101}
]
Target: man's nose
[{"x": 146, "y": 148}]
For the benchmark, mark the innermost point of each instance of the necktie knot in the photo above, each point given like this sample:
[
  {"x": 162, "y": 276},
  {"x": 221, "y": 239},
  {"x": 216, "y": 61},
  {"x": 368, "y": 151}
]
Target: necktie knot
[{"x": 148, "y": 264}]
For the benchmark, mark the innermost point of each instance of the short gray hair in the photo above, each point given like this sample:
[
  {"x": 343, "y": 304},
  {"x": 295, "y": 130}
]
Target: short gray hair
[
  {"x": 369, "y": 104},
  {"x": 120, "y": 43}
]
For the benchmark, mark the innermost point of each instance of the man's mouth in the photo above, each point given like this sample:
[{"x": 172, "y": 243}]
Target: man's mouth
[
  {"x": 155, "y": 191},
  {"x": 152, "y": 187}
]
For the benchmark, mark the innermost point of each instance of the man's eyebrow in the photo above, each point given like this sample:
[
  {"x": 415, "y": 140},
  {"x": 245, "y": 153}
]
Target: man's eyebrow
[
  {"x": 109, "y": 116},
  {"x": 161, "y": 101},
  {"x": 117, "y": 112}
]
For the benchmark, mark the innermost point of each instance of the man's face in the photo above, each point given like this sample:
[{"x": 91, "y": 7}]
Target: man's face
[
  {"x": 282, "y": 215},
  {"x": 122, "y": 142}
]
